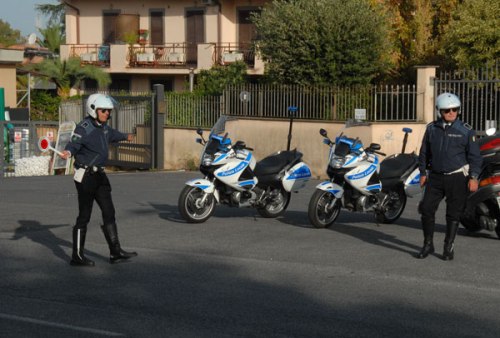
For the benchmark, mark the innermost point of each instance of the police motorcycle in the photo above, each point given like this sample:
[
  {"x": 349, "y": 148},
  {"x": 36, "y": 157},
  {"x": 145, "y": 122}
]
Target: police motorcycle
[
  {"x": 233, "y": 177},
  {"x": 359, "y": 181},
  {"x": 482, "y": 210}
]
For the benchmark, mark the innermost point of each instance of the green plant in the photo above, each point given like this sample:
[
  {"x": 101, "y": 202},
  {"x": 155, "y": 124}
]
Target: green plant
[{"x": 191, "y": 164}]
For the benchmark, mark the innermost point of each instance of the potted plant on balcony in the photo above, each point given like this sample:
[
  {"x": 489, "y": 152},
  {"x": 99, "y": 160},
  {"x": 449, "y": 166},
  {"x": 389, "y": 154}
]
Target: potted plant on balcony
[{"x": 143, "y": 36}]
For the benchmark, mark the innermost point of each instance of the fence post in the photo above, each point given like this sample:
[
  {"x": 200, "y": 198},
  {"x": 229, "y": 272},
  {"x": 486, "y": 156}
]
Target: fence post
[
  {"x": 158, "y": 123},
  {"x": 425, "y": 93}
]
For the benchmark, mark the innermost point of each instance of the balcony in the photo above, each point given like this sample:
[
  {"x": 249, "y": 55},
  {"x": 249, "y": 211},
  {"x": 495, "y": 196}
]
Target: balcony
[
  {"x": 97, "y": 55},
  {"x": 169, "y": 58}
]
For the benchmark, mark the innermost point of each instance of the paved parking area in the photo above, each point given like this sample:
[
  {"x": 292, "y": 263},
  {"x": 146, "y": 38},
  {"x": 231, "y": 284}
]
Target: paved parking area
[{"x": 237, "y": 275}]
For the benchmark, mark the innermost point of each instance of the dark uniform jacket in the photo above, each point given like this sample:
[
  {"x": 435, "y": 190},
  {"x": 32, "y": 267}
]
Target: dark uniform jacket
[
  {"x": 89, "y": 143},
  {"x": 445, "y": 151}
]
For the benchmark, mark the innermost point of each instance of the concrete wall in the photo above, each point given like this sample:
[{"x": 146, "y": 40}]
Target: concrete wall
[
  {"x": 268, "y": 136},
  {"x": 8, "y": 82}
]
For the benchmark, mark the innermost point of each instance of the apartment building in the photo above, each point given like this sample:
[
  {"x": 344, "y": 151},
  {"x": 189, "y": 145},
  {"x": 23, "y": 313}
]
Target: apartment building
[{"x": 141, "y": 43}]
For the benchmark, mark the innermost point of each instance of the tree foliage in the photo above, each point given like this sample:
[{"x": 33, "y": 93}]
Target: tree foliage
[
  {"x": 323, "y": 41},
  {"x": 213, "y": 81},
  {"x": 68, "y": 74},
  {"x": 52, "y": 38},
  {"x": 472, "y": 39},
  {"x": 9, "y": 36},
  {"x": 44, "y": 106}
]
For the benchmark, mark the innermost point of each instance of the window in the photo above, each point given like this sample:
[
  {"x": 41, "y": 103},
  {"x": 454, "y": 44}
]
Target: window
[
  {"x": 156, "y": 36},
  {"x": 109, "y": 26}
]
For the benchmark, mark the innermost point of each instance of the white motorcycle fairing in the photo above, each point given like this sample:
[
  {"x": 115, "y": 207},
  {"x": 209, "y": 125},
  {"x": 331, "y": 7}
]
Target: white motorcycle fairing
[
  {"x": 412, "y": 184},
  {"x": 233, "y": 165},
  {"x": 296, "y": 177},
  {"x": 333, "y": 188},
  {"x": 205, "y": 185}
]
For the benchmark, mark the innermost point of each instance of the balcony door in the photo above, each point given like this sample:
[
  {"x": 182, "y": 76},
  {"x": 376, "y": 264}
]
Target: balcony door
[
  {"x": 247, "y": 34},
  {"x": 195, "y": 34},
  {"x": 157, "y": 31}
]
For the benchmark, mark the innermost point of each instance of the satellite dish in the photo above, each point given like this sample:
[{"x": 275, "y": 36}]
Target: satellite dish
[{"x": 32, "y": 39}]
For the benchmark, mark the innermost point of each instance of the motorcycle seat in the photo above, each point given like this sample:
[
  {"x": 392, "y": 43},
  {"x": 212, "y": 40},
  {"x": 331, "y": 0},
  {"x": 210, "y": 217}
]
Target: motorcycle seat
[
  {"x": 273, "y": 164},
  {"x": 396, "y": 165}
]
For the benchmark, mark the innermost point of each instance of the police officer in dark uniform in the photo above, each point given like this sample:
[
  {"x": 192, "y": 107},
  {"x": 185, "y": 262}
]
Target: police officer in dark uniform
[
  {"x": 449, "y": 163},
  {"x": 89, "y": 147}
]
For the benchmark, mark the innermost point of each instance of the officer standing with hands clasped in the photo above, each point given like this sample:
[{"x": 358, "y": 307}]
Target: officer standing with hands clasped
[
  {"x": 89, "y": 146},
  {"x": 449, "y": 163}
]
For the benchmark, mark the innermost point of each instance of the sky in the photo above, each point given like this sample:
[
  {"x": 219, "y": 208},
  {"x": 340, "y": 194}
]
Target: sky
[{"x": 21, "y": 15}]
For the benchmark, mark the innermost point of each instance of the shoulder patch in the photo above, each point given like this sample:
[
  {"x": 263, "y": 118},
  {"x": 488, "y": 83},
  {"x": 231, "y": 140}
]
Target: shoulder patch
[
  {"x": 85, "y": 124},
  {"x": 468, "y": 126}
]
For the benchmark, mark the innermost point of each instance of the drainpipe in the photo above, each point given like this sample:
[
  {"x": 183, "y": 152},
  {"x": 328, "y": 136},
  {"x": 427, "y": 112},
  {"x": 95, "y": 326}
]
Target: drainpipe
[
  {"x": 77, "y": 21},
  {"x": 219, "y": 29}
]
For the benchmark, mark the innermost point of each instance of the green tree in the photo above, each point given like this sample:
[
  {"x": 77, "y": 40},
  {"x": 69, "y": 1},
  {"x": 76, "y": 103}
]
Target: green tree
[
  {"x": 323, "y": 41},
  {"x": 9, "y": 36},
  {"x": 68, "y": 74},
  {"x": 472, "y": 39},
  {"x": 215, "y": 80},
  {"x": 52, "y": 38},
  {"x": 55, "y": 13}
]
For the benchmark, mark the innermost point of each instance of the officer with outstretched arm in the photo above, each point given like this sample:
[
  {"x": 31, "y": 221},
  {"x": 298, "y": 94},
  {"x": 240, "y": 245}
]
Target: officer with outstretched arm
[{"x": 89, "y": 146}]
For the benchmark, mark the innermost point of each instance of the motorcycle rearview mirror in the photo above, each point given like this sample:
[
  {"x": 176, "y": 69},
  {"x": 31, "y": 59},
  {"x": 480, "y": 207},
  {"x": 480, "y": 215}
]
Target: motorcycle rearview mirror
[
  {"x": 199, "y": 140},
  {"x": 323, "y": 132},
  {"x": 375, "y": 146},
  {"x": 199, "y": 131},
  {"x": 491, "y": 131}
]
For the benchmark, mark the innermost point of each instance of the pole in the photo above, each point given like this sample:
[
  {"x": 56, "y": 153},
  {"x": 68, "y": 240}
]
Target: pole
[{"x": 291, "y": 113}]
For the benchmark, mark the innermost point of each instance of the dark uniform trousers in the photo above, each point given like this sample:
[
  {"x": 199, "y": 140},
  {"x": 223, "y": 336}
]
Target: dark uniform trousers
[
  {"x": 94, "y": 186},
  {"x": 453, "y": 187}
]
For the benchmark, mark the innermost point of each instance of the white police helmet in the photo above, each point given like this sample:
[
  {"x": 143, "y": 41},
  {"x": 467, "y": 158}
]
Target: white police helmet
[
  {"x": 447, "y": 101},
  {"x": 96, "y": 101}
]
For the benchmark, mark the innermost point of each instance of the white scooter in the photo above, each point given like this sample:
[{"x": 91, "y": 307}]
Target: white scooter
[{"x": 233, "y": 177}]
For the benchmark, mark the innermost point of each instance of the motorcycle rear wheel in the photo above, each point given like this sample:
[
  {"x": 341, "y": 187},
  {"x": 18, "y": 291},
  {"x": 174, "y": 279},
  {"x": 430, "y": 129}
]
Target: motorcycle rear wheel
[
  {"x": 324, "y": 208},
  {"x": 191, "y": 206},
  {"x": 395, "y": 207},
  {"x": 276, "y": 205}
]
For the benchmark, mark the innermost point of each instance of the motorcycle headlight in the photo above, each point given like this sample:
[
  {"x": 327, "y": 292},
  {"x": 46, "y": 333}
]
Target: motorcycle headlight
[
  {"x": 207, "y": 159},
  {"x": 337, "y": 162}
]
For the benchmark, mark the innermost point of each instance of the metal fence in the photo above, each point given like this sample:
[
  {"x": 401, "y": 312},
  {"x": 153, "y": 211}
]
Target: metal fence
[
  {"x": 380, "y": 103},
  {"x": 20, "y": 140},
  {"x": 479, "y": 91}
]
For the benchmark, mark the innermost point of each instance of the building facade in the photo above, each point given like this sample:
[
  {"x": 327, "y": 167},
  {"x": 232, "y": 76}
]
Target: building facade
[{"x": 141, "y": 43}]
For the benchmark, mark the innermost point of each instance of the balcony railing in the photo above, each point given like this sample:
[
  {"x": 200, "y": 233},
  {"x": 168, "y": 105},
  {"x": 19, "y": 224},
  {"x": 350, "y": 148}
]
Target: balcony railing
[
  {"x": 166, "y": 56},
  {"x": 97, "y": 55},
  {"x": 227, "y": 53}
]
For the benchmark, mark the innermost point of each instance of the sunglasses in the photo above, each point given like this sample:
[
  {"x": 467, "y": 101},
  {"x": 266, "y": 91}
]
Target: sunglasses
[
  {"x": 446, "y": 111},
  {"x": 105, "y": 110}
]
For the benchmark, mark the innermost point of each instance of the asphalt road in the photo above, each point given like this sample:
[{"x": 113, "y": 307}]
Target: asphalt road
[{"x": 237, "y": 275}]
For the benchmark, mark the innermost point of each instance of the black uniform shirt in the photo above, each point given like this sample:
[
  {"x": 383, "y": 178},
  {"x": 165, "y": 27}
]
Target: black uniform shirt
[
  {"x": 445, "y": 150},
  {"x": 89, "y": 143}
]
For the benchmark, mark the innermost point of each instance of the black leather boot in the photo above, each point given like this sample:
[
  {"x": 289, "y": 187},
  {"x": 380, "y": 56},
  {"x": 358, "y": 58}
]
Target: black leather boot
[
  {"x": 449, "y": 248},
  {"x": 427, "y": 249},
  {"x": 78, "y": 258},
  {"x": 116, "y": 253}
]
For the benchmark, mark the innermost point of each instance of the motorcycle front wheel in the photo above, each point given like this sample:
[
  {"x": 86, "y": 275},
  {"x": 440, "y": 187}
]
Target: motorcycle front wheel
[
  {"x": 276, "y": 204},
  {"x": 324, "y": 208},
  {"x": 393, "y": 208},
  {"x": 192, "y": 205}
]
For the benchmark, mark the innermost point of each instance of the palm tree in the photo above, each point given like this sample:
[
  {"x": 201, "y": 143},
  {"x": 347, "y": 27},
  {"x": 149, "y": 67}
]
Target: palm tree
[{"x": 68, "y": 74}]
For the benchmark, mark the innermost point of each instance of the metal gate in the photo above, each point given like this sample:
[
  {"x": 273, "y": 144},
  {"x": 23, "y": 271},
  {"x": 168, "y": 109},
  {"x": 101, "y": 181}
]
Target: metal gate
[
  {"x": 479, "y": 92},
  {"x": 134, "y": 115}
]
